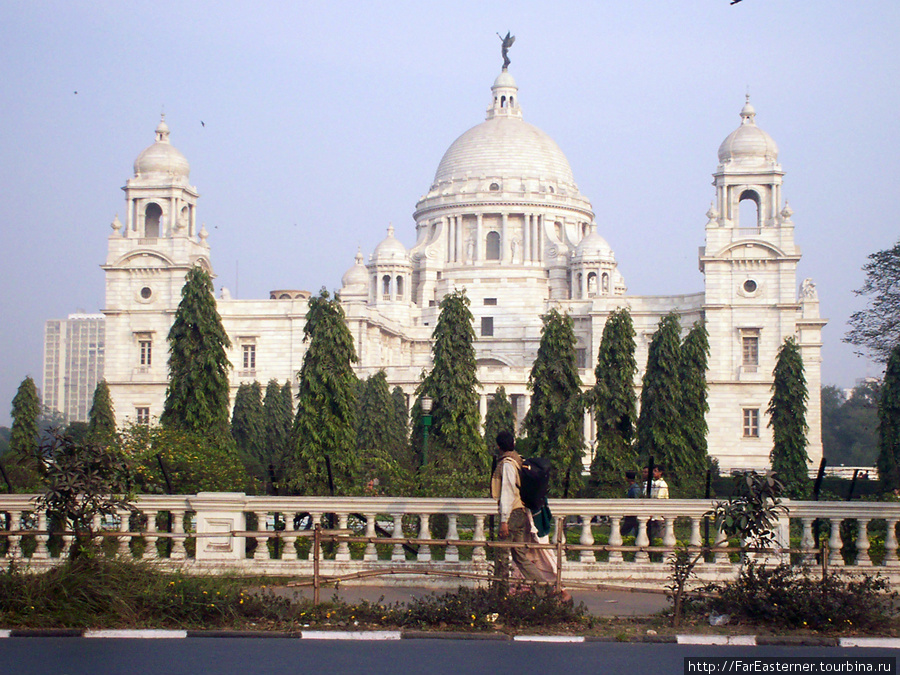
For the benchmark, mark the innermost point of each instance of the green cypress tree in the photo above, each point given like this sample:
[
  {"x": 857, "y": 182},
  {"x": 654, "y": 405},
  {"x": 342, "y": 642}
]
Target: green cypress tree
[
  {"x": 21, "y": 462},
  {"x": 615, "y": 405},
  {"x": 499, "y": 418},
  {"x": 660, "y": 434},
  {"x": 400, "y": 409},
  {"x": 458, "y": 462},
  {"x": 278, "y": 410},
  {"x": 381, "y": 437},
  {"x": 889, "y": 424},
  {"x": 102, "y": 419},
  {"x": 324, "y": 433},
  {"x": 197, "y": 398},
  {"x": 787, "y": 418},
  {"x": 554, "y": 424},
  {"x": 694, "y": 356},
  {"x": 248, "y": 429}
]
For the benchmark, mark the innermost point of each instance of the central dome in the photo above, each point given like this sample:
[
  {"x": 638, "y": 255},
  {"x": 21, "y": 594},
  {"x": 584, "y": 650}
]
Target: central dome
[{"x": 505, "y": 146}]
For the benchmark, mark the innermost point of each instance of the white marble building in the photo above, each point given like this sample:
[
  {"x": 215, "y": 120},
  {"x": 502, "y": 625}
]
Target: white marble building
[{"x": 504, "y": 219}]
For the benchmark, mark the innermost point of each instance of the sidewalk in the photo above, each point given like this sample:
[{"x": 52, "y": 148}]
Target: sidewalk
[{"x": 600, "y": 603}]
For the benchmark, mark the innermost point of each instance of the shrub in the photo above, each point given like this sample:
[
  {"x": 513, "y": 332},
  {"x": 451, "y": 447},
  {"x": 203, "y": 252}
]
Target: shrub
[{"x": 787, "y": 597}]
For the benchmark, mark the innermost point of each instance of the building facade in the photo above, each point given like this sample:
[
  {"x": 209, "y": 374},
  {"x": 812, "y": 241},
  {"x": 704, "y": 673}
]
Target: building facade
[
  {"x": 504, "y": 219},
  {"x": 74, "y": 350}
]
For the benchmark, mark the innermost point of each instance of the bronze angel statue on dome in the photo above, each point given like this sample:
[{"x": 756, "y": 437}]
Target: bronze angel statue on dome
[{"x": 507, "y": 42}]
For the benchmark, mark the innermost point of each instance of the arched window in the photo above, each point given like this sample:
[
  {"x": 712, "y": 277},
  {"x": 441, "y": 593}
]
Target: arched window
[
  {"x": 592, "y": 284},
  {"x": 578, "y": 287},
  {"x": 511, "y": 101},
  {"x": 386, "y": 287},
  {"x": 492, "y": 246},
  {"x": 748, "y": 211},
  {"x": 152, "y": 215},
  {"x": 399, "y": 288},
  {"x": 502, "y": 101},
  {"x": 605, "y": 283}
]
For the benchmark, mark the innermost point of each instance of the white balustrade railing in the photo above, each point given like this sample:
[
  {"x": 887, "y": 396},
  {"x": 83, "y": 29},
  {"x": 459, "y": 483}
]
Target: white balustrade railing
[{"x": 231, "y": 532}]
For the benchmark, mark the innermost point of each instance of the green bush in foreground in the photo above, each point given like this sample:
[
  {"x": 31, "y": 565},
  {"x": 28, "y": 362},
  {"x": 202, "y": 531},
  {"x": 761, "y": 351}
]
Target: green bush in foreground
[{"x": 786, "y": 597}]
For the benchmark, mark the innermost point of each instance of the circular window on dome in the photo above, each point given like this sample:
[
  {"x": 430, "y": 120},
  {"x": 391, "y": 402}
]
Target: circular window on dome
[
  {"x": 495, "y": 187},
  {"x": 750, "y": 286},
  {"x": 146, "y": 292}
]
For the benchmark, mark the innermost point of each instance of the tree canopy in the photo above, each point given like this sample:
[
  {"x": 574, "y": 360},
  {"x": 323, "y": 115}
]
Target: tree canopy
[
  {"x": 876, "y": 329},
  {"x": 660, "y": 432},
  {"x": 499, "y": 418},
  {"x": 691, "y": 469},
  {"x": 278, "y": 410},
  {"x": 787, "y": 418},
  {"x": 102, "y": 419},
  {"x": 381, "y": 439},
  {"x": 458, "y": 461},
  {"x": 248, "y": 428},
  {"x": 889, "y": 424},
  {"x": 554, "y": 424},
  {"x": 21, "y": 462},
  {"x": 614, "y": 403},
  {"x": 197, "y": 398},
  {"x": 324, "y": 433},
  {"x": 850, "y": 425}
]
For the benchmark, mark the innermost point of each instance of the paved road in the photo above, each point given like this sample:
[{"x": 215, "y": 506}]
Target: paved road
[{"x": 248, "y": 656}]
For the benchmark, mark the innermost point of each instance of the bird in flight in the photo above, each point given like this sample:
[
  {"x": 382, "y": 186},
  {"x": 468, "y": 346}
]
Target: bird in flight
[
  {"x": 734, "y": 2},
  {"x": 203, "y": 124}
]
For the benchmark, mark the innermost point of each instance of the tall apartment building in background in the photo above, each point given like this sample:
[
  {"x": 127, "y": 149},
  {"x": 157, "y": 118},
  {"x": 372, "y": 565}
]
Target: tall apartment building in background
[{"x": 73, "y": 364}]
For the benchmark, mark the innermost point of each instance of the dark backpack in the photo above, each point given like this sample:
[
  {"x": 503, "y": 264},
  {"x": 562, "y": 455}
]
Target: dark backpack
[{"x": 534, "y": 482}]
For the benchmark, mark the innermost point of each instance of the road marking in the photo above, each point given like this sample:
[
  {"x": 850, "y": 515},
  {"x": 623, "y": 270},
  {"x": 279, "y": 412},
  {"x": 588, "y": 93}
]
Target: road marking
[
  {"x": 877, "y": 642},
  {"x": 549, "y": 638},
  {"x": 742, "y": 640},
  {"x": 350, "y": 635},
  {"x": 142, "y": 634}
]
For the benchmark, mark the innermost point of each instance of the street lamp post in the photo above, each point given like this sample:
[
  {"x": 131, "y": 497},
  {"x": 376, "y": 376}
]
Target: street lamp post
[{"x": 426, "y": 403}]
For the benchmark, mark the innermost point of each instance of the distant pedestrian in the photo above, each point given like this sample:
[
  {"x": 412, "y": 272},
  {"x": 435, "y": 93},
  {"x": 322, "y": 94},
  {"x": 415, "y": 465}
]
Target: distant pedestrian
[{"x": 629, "y": 524}]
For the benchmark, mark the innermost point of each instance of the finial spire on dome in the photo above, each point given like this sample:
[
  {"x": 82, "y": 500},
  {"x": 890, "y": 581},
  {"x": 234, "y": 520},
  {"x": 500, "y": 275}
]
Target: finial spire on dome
[
  {"x": 748, "y": 112},
  {"x": 162, "y": 130}
]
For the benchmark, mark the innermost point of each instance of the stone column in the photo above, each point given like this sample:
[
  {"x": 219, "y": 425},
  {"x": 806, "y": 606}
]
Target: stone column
[
  {"x": 526, "y": 244},
  {"x": 478, "y": 236},
  {"x": 504, "y": 239}
]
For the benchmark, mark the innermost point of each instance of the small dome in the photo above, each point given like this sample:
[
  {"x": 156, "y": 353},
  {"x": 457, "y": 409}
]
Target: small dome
[
  {"x": 504, "y": 79},
  {"x": 748, "y": 143},
  {"x": 593, "y": 247},
  {"x": 390, "y": 249},
  {"x": 357, "y": 275},
  {"x": 162, "y": 158}
]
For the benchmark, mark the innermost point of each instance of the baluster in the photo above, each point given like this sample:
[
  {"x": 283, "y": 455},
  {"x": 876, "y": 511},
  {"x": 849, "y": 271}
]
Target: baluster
[
  {"x": 424, "y": 533},
  {"x": 452, "y": 552},
  {"x": 586, "y": 539},
  {"x": 262, "y": 540},
  {"x": 150, "y": 536},
  {"x": 178, "y": 550},
  {"x": 890, "y": 544},
  {"x": 123, "y": 538},
  {"x": 478, "y": 553},
  {"x": 615, "y": 538},
  {"x": 721, "y": 540},
  {"x": 41, "y": 551},
  {"x": 97, "y": 529},
  {"x": 397, "y": 554},
  {"x": 289, "y": 540},
  {"x": 642, "y": 540},
  {"x": 807, "y": 542},
  {"x": 15, "y": 540},
  {"x": 862, "y": 544},
  {"x": 315, "y": 518},
  {"x": 343, "y": 549},
  {"x": 696, "y": 541},
  {"x": 669, "y": 533},
  {"x": 835, "y": 543},
  {"x": 371, "y": 552}
]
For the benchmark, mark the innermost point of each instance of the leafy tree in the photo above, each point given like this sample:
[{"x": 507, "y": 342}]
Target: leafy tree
[
  {"x": 21, "y": 462},
  {"x": 278, "y": 409},
  {"x": 194, "y": 462},
  {"x": 694, "y": 355},
  {"x": 84, "y": 480},
  {"x": 197, "y": 398},
  {"x": 381, "y": 439},
  {"x": 102, "y": 419},
  {"x": 400, "y": 406},
  {"x": 458, "y": 462},
  {"x": 615, "y": 404},
  {"x": 4, "y": 440},
  {"x": 850, "y": 425},
  {"x": 660, "y": 432},
  {"x": 324, "y": 434},
  {"x": 248, "y": 428},
  {"x": 876, "y": 329},
  {"x": 889, "y": 424},
  {"x": 555, "y": 422},
  {"x": 787, "y": 418},
  {"x": 499, "y": 418}
]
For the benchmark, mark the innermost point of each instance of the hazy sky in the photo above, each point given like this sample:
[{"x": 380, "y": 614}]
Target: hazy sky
[{"x": 325, "y": 122}]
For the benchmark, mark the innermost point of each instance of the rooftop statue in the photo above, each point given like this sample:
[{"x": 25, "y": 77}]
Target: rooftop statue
[{"x": 507, "y": 42}]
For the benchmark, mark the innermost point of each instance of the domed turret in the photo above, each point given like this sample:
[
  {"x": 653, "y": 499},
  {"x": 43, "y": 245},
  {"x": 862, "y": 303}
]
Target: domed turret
[
  {"x": 390, "y": 249},
  {"x": 593, "y": 248},
  {"x": 748, "y": 143},
  {"x": 162, "y": 158},
  {"x": 357, "y": 277}
]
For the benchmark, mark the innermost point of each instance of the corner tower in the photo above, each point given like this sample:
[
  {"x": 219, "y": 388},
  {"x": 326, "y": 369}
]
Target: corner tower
[{"x": 751, "y": 304}]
